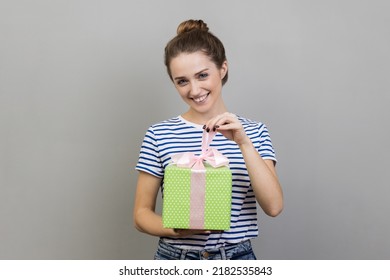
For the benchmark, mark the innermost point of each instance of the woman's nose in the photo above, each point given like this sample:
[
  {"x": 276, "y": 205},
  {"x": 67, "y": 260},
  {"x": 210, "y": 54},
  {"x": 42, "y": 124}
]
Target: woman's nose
[{"x": 195, "y": 88}]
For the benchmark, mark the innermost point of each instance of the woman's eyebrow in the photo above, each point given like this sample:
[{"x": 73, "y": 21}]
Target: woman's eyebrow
[
  {"x": 179, "y": 78},
  {"x": 197, "y": 73}
]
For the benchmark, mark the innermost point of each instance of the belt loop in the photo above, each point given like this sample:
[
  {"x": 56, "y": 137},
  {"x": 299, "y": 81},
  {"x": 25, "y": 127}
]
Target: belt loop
[
  {"x": 183, "y": 254},
  {"x": 223, "y": 253}
]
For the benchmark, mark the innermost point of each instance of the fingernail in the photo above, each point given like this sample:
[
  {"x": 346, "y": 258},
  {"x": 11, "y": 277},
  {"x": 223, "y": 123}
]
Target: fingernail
[
  {"x": 208, "y": 129},
  {"x": 204, "y": 126},
  {"x": 214, "y": 128}
]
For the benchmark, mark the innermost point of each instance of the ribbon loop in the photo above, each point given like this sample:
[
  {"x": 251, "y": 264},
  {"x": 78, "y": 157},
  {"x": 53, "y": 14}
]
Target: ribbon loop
[{"x": 210, "y": 155}]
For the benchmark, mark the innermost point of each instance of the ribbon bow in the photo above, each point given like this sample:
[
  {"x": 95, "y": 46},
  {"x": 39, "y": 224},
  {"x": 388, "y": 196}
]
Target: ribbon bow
[{"x": 210, "y": 155}]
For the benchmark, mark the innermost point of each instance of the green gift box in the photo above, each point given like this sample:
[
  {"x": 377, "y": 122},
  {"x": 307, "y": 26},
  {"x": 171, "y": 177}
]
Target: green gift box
[{"x": 197, "y": 199}]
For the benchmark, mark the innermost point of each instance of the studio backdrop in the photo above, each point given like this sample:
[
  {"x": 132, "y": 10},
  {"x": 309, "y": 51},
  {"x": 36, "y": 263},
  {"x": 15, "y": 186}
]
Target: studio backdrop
[{"x": 81, "y": 81}]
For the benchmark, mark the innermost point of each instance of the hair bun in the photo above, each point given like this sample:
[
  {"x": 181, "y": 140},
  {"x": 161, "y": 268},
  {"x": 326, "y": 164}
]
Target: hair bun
[{"x": 190, "y": 25}]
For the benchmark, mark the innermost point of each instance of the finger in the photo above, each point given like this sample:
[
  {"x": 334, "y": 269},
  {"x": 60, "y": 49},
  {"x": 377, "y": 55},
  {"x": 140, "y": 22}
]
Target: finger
[
  {"x": 205, "y": 231},
  {"x": 228, "y": 126},
  {"x": 220, "y": 120},
  {"x": 216, "y": 231},
  {"x": 227, "y": 123},
  {"x": 189, "y": 232},
  {"x": 210, "y": 125}
]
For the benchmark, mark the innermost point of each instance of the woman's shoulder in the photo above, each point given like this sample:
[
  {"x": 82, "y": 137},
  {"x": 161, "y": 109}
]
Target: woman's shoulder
[
  {"x": 246, "y": 122},
  {"x": 175, "y": 125},
  {"x": 167, "y": 123}
]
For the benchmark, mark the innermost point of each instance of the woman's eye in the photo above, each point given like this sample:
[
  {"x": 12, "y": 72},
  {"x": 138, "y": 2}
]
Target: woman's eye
[
  {"x": 203, "y": 75},
  {"x": 181, "y": 82}
]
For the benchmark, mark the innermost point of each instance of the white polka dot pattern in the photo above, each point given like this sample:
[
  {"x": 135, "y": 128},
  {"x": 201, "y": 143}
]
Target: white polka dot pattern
[
  {"x": 176, "y": 201},
  {"x": 218, "y": 198}
]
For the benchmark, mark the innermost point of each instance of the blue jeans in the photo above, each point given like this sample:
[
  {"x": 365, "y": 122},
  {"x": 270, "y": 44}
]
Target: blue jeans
[{"x": 240, "y": 251}]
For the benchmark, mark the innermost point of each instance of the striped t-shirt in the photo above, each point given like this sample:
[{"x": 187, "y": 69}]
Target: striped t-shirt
[{"x": 177, "y": 135}]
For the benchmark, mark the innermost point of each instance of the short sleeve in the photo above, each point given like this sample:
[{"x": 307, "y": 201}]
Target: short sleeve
[
  {"x": 266, "y": 149},
  {"x": 149, "y": 158}
]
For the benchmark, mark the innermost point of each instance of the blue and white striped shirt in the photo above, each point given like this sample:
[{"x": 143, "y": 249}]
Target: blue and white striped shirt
[{"x": 177, "y": 135}]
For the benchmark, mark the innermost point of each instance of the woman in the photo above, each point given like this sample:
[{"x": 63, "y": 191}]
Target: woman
[{"x": 197, "y": 65}]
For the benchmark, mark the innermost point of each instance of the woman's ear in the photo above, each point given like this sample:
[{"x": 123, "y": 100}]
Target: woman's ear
[{"x": 224, "y": 69}]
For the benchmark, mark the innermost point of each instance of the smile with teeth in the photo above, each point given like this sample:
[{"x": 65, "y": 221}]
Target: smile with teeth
[{"x": 200, "y": 99}]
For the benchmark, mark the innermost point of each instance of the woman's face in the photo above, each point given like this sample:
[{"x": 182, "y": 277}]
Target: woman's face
[{"x": 198, "y": 81}]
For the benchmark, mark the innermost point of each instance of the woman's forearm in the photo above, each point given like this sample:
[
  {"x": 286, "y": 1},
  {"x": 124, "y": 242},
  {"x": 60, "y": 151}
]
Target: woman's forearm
[
  {"x": 151, "y": 223},
  {"x": 263, "y": 179}
]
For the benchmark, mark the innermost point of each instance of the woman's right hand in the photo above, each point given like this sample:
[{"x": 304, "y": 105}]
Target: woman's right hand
[{"x": 189, "y": 232}]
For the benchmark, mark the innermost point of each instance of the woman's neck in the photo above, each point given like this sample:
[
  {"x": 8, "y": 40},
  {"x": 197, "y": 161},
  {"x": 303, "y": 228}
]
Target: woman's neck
[{"x": 202, "y": 118}]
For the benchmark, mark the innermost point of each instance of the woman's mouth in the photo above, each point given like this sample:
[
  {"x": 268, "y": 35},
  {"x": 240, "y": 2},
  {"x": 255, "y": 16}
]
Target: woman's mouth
[{"x": 201, "y": 99}]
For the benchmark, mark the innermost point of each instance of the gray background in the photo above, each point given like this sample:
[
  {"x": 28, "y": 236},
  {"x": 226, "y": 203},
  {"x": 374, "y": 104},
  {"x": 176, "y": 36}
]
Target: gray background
[{"x": 80, "y": 82}]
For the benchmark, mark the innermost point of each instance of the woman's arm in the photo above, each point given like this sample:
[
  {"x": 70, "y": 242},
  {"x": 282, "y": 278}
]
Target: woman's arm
[
  {"x": 145, "y": 218},
  {"x": 262, "y": 172},
  {"x": 264, "y": 180}
]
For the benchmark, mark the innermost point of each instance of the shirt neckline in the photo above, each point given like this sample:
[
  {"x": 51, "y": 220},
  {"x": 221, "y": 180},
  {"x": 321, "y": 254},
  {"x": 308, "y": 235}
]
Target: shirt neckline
[{"x": 198, "y": 126}]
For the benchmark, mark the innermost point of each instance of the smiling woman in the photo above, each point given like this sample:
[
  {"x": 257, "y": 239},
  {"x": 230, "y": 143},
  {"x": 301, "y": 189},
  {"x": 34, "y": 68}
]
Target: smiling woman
[
  {"x": 197, "y": 65},
  {"x": 193, "y": 36},
  {"x": 198, "y": 81}
]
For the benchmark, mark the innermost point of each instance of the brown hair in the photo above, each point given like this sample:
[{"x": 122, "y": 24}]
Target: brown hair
[{"x": 193, "y": 36}]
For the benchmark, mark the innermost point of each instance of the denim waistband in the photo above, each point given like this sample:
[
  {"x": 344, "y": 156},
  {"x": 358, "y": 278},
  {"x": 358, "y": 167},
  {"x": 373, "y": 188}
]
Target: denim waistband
[{"x": 229, "y": 251}]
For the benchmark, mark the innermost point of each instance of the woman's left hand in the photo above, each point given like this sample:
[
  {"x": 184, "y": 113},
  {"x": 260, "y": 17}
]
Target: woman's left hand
[
  {"x": 229, "y": 125},
  {"x": 263, "y": 178}
]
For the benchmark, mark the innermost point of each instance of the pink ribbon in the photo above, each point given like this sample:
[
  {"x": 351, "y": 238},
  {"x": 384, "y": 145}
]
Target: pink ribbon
[
  {"x": 210, "y": 155},
  {"x": 198, "y": 176}
]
